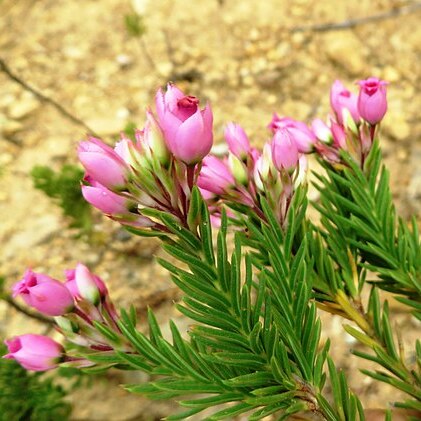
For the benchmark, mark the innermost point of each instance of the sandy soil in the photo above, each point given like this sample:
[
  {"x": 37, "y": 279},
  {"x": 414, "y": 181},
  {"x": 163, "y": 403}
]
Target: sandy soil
[{"x": 248, "y": 59}]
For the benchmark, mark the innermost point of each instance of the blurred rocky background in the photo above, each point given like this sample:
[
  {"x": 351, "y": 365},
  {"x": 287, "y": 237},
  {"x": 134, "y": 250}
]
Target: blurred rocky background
[{"x": 69, "y": 67}]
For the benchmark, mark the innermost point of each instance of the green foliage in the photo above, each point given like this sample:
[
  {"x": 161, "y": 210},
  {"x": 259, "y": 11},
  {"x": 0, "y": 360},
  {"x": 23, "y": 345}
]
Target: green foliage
[
  {"x": 64, "y": 188},
  {"x": 135, "y": 25},
  {"x": 29, "y": 397},
  {"x": 254, "y": 346},
  {"x": 357, "y": 209},
  {"x": 359, "y": 231},
  {"x": 255, "y": 337}
]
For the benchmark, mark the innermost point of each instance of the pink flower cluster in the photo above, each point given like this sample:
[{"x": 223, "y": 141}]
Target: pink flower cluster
[
  {"x": 136, "y": 181},
  {"x": 247, "y": 174},
  {"x": 76, "y": 304},
  {"x": 352, "y": 124},
  {"x": 242, "y": 178},
  {"x": 158, "y": 170}
]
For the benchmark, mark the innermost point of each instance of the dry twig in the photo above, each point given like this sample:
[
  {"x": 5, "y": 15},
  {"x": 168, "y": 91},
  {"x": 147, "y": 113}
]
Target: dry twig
[
  {"x": 352, "y": 23},
  {"x": 43, "y": 98},
  {"x": 37, "y": 316}
]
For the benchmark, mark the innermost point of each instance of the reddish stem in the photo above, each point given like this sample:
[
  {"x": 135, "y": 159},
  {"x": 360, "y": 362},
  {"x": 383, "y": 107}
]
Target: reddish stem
[
  {"x": 110, "y": 310},
  {"x": 102, "y": 348},
  {"x": 190, "y": 176},
  {"x": 372, "y": 131},
  {"x": 82, "y": 315}
]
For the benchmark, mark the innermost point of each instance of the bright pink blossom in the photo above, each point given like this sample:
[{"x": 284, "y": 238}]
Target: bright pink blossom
[
  {"x": 84, "y": 284},
  {"x": 341, "y": 99},
  {"x": 215, "y": 176},
  {"x": 238, "y": 142},
  {"x": 103, "y": 199},
  {"x": 372, "y": 101},
  {"x": 45, "y": 294},
  {"x": 103, "y": 163},
  {"x": 299, "y": 132},
  {"x": 284, "y": 151},
  {"x": 187, "y": 129},
  {"x": 34, "y": 352}
]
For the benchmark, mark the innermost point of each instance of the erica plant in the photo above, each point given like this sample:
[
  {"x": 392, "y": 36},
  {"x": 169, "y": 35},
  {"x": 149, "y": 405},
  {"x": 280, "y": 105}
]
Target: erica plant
[{"x": 254, "y": 344}]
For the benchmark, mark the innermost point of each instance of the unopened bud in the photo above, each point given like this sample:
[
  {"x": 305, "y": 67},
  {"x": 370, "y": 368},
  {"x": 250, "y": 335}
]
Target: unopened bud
[
  {"x": 322, "y": 131},
  {"x": 87, "y": 284},
  {"x": 262, "y": 167},
  {"x": 238, "y": 170},
  {"x": 349, "y": 122},
  {"x": 284, "y": 151},
  {"x": 153, "y": 140},
  {"x": 65, "y": 324}
]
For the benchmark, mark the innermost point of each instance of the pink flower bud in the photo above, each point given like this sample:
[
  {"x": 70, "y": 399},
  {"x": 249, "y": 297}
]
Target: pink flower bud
[
  {"x": 34, "y": 352},
  {"x": 237, "y": 140},
  {"x": 238, "y": 169},
  {"x": 153, "y": 142},
  {"x": 216, "y": 216},
  {"x": 255, "y": 154},
  {"x": 339, "y": 135},
  {"x": 215, "y": 176},
  {"x": 83, "y": 284},
  {"x": 103, "y": 199},
  {"x": 187, "y": 129},
  {"x": 262, "y": 167},
  {"x": 341, "y": 99},
  {"x": 127, "y": 151},
  {"x": 302, "y": 135},
  {"x": 321, "y": 130},
  {"x": 45, "y": 294},
  {"x": 102, "y": 163},
  {"x": 216, "y": 220},
  {"x": 302, "y": 171},
  {"x": 284, "y": 151},
  {"x": 207, "y": 195},
  {"x": 372, "y": 101},
  {"x": 274, "y": 124}
]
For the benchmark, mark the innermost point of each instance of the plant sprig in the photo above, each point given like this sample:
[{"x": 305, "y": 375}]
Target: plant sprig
[
  {"x": 357, "y": 204},
  {"x": 255, "y": 339}
]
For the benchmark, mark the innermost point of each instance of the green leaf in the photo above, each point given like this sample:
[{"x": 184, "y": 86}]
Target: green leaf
[
  {"x": 135, "y": 361},
  {"x": 207, "y": 315},
  {"x": 212, "y": 400},
  {"x": 107, "y": 332},
  {"x": 238, "y": 359},
  {"x": 257, "y": 379},
  {"x": 195, "y": 208},
  {"x": 360, "y": 336},
  {"x": 186, "y": 414},
  {"x": 185, "y": 237},
  {"x": 206, "y": 234},
  {"x": 271, "y": 399},
  {"x": 267, "y": 410},
  {"x": 230, "y": 412}
]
